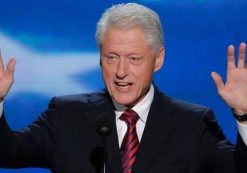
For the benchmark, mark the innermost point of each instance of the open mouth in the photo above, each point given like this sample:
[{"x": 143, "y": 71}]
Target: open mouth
[{"x": 123, "y": 86}]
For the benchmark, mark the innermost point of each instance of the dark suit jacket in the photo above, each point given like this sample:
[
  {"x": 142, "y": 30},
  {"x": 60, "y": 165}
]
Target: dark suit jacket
[{"x": 179, "y": 137}]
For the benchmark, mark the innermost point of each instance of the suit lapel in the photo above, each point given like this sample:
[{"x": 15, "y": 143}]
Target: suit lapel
[
  {"x": 159, "y": 126},
  {"x": 113, "y": 162}
]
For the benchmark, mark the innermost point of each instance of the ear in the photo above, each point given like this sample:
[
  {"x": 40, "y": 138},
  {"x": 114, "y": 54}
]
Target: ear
[{"x": 159, "y": 59}]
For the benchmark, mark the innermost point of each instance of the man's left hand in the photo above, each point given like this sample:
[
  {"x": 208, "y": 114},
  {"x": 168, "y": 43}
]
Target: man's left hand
[{"x": 234, "y": 90}]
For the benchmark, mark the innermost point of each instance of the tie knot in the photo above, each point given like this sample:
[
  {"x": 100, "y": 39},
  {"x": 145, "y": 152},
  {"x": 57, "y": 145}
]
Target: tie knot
[{"x": 130, "y": 117}]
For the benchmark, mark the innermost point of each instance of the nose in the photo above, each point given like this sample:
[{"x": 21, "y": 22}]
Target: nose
[{"x": 122, "y": 68}]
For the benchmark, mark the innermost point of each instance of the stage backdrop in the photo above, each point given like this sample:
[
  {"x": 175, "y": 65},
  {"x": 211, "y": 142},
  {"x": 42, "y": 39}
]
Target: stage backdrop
[{"x": 53, "y": 42}]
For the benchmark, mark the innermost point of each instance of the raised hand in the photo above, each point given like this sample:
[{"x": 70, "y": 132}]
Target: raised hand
[
  {"x": 6, "y": 76},
  {"x": 234, "y": 90}
]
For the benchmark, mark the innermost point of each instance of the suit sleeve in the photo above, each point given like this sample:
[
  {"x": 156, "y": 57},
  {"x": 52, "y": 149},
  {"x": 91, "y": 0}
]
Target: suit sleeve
[
  {"x": 222, "y": 156},
  {"x": 217, "y": 150},
  {"x": 31, "y": 146},
  {"x": 240, "y": 156}
]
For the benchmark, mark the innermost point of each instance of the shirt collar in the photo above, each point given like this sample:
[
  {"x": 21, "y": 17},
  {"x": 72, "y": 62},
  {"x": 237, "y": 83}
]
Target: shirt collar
[{"x": 141, "y": 108}]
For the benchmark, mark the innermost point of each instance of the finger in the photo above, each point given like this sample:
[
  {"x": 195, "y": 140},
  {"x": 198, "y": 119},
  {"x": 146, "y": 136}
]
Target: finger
[
  {"x": 11, "y": 67},
  {"x": 1, "y": 61},
  {"x": 230, "y": 58},
  {"x": 241, "y": 55},
  {"x": 217, "y": 80}
]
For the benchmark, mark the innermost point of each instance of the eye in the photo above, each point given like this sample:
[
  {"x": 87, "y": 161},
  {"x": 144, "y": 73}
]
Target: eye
[
  {"x": 135, "y": 60},
  {"x": 111, "y": 58}
]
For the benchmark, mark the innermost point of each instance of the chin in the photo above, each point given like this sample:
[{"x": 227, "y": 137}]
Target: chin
[{"x": 124, "y": 101}]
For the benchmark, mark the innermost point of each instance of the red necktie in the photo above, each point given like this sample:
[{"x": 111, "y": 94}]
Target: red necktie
[{"x": 130, "y": 142}]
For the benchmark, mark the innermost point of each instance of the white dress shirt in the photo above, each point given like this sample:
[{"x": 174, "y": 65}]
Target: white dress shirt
[
  {"x": 142, "y": 109},
  {"x": 242, "y": 129}
]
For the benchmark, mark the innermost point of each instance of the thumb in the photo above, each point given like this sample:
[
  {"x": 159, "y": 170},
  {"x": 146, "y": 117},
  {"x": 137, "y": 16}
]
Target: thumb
[
  {"x": 217, "y": 80},
  {"x": 11, "y": 67}
]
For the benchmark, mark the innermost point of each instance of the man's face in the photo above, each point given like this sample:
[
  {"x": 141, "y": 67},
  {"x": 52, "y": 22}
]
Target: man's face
[{"x": 128, "y": 64}]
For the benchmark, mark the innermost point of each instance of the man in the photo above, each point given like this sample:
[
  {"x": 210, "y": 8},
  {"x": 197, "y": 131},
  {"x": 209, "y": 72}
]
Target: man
[{"x": 151, "y": 132}]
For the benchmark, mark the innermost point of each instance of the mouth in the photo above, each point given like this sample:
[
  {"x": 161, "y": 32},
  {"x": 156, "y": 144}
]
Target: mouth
[{"x": 123, "y": 86}]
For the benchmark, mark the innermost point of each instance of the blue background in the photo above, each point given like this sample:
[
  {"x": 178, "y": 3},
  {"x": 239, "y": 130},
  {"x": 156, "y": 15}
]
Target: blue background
[{"x": 56, "y": 53}]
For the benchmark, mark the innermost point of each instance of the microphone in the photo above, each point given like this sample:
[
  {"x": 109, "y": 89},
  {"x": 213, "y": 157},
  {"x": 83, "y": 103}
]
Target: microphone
[{"x": 103, "y": 125}]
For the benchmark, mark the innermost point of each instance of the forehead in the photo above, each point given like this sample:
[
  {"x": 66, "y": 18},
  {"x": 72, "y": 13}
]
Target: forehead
[
  {"x": 133, "y": 38},
  {"x": 124, "y": 34}
]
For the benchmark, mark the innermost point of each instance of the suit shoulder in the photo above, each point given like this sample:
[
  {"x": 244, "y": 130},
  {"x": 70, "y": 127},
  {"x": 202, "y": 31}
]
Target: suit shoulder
[
  {"x": 196, "y": 114},
  {"x": 186, "y": 106},
  {"x": 193, "y": 116},
  {"x": 178, "y": 106},
  {"x": 84, "y": 98},
  {"x": 187, "y": 110},
  {"x": 182, "y": 106}
]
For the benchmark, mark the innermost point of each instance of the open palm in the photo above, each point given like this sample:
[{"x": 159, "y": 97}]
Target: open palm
[
  {"x": 6, "y": 76},
  {"x": 234, "y": 90}
]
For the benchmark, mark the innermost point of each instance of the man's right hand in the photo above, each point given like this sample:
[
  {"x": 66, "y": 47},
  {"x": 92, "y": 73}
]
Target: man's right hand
[{"x": 6, "y": 76}]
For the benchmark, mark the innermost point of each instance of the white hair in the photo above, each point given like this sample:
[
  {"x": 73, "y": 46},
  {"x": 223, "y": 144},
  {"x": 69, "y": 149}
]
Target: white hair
[{"x": 131, "y": 15}]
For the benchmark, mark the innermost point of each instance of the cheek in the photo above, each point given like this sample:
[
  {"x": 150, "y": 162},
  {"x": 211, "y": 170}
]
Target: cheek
[
  {"x": 145, "y": 74},
  {"x": 107, "y": 76},
  {"x": 106, "y": 71},
  {"x": 143, "y": 79}
]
